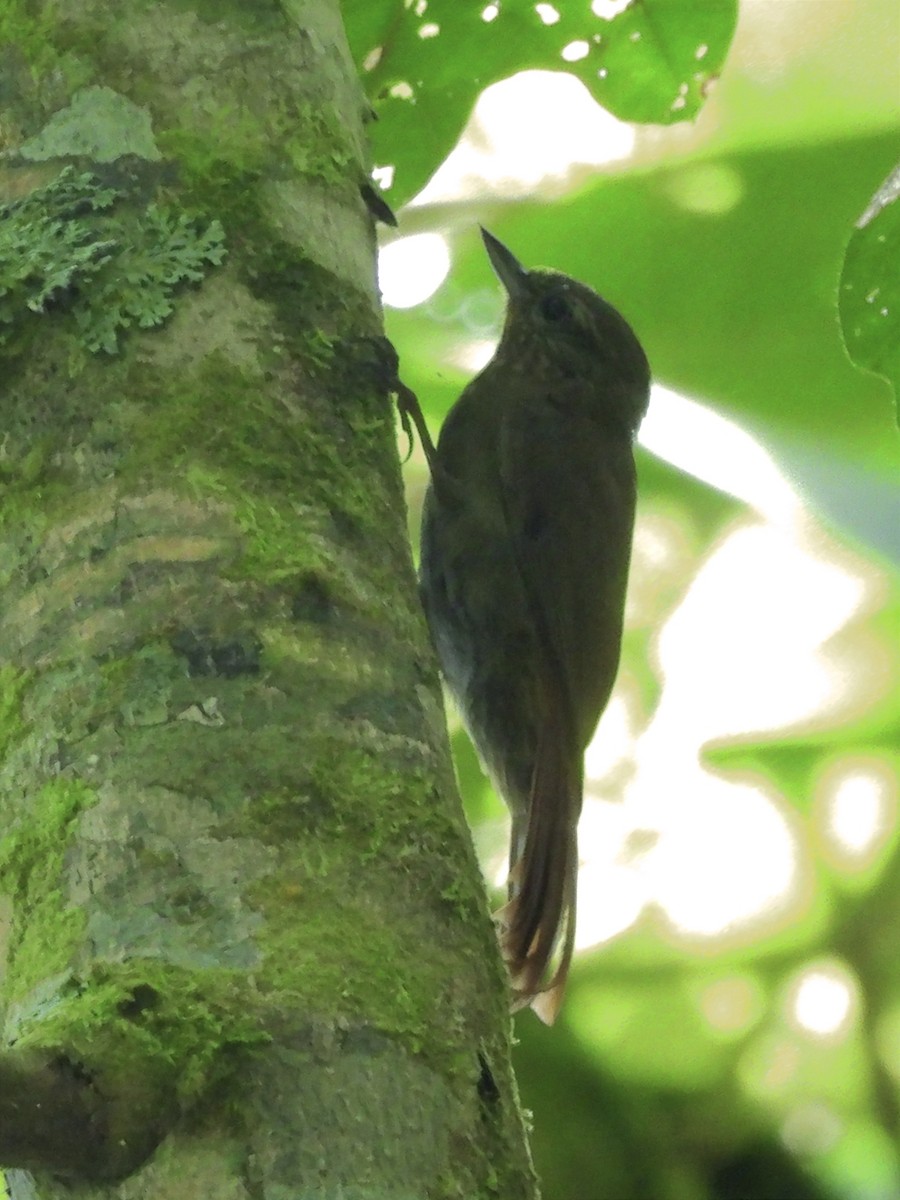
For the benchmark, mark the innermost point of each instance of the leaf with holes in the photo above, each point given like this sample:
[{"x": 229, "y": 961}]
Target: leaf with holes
[
  {"x": 656, "y": 61},
  {"x": 425, "y": 62}
]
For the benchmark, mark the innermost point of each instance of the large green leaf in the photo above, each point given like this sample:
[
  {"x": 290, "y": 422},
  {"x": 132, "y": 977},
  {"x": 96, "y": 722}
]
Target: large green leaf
[
  {"x": 870, "y": 286},
  {"x": 424, "y": 63}
]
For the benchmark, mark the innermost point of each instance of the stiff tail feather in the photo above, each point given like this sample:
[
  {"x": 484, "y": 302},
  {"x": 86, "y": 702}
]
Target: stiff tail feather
[{"x": 540, "y": 915}]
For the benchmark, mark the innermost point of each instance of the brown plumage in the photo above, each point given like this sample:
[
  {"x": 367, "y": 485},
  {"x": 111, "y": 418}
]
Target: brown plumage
[{"x": 526, "y": 538}]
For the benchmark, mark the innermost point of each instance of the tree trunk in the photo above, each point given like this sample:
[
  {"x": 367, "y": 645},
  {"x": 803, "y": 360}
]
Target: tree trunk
[{"x": 248, "y": 953}]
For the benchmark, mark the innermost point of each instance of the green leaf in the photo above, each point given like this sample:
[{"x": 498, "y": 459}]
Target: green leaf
[
  {"x": 659, "y": 59},
  {"x": 869, "y": 303},
  {"x": 425, "y": 62}
]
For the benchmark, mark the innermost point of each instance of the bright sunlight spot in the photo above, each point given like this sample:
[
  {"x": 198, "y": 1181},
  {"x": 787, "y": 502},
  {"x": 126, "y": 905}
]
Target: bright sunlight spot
[
  {"x": 860, "y": 807},
  {"x": 823, "y": 1001},
  {"x": 615, "y": 736},
  {"x": 764, "y": 606},
  {"x": 383, "y": 176},
  {"x": 709, "y": 446},
  {"x": 538, "y": 125},
  {"x": 726, "y": 857},
  {"x": 607, "y": 9},
  {"x": 475, "y": 356},
  {"x": 411, "y": 269},
  {"x": 712, "y": 857},
  {"x": 575, "y": 51},
  {"x": 547, "y": 13},
  {"x": 612, "y": 894}
]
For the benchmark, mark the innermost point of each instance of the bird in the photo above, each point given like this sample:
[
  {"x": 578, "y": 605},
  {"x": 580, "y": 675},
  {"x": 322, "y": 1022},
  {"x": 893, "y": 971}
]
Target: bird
[{"x": 526, "y": 538}]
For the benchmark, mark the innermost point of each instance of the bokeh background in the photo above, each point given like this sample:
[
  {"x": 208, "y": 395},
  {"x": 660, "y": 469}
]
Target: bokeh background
[{"x": 733, "y": 1022}]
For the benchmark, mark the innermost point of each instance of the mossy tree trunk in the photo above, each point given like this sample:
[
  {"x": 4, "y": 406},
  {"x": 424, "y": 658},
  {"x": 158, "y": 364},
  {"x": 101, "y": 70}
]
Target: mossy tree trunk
[{"x": 247, "y": 950}]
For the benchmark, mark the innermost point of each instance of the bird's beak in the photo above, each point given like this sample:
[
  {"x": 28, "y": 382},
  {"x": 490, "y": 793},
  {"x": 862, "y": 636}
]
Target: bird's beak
[{"x": 509, "y": 270}]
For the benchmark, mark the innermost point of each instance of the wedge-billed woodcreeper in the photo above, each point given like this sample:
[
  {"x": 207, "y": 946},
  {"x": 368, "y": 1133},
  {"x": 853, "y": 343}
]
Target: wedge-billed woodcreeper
[{"x": 526, "y": 540}]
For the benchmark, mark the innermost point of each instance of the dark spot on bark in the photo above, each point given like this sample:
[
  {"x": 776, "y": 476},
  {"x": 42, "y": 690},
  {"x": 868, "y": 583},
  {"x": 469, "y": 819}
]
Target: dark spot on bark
[
  {"x": 61, "y": 757},
  {"x": 348, "y": 526},
  {"x": 63, "y": 1065},
  {"x": 488, "y": 1091},
  {"x": 375, "y": 359},
  {"x": 36, "y": 574},
  {"x": 142, "y": 998},
  {"x": 312, "y": 603},
  {"x": 384, "y": 710},
  {"x": 535, "y": 524},
  {"x": 207, "y": 656},
  {"x": 125, "y": 590}
]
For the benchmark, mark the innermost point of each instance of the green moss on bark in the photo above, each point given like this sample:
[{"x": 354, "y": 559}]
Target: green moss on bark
[
  {"x": 29, "y": 31},
  {"x": 13, "y": 684},
  {"x": 46, "y": 928},
  {"x": 176, "y": 1024}
]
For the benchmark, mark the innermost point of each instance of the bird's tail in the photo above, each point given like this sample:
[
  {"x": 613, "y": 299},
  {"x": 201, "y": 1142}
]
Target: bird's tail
[{"x": 539, "y": 918}]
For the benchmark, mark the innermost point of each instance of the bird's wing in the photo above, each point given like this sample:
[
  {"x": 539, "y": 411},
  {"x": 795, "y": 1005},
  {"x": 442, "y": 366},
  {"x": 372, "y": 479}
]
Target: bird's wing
[
  {"x": 568, "y": 495},
  {"x": 568, "y": 488}
]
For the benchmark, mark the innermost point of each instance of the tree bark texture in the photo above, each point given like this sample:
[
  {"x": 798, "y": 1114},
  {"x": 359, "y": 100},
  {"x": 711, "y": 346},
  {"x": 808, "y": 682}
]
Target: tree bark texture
[{"x": 247, "y": 950}]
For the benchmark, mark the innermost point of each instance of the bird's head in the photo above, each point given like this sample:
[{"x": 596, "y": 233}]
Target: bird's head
[{"x": 557, "y": 324}]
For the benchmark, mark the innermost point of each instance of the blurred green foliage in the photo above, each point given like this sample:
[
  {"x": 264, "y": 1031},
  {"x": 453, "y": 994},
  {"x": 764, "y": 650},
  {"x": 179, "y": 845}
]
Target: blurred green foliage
[{"x": 688, "y": 1067}]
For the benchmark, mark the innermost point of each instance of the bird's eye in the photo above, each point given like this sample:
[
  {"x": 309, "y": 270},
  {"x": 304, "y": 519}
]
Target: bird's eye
[{"x": 554, "y": 308}]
